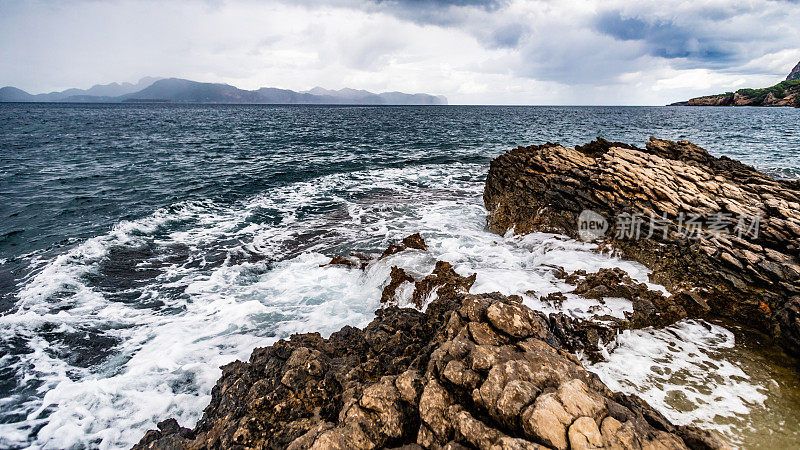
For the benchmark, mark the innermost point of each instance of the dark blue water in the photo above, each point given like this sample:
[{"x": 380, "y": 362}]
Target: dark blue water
[
  {"x": 123, "y": 227},
  {"x": 70, "y": 172}
]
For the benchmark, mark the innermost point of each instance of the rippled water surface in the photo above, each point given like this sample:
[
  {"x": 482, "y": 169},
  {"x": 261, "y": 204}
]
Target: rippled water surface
[{"x": 143, "y": 246}]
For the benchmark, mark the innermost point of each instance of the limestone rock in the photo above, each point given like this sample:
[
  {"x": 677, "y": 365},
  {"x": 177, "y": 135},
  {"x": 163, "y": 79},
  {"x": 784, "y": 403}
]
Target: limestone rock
[
  {"x": 397, "y": 277},
  {"x": 473, "y": 371},
  {"x": 747, "y": 277},
  {"x": 413, "y": 241},
  {"x": 444, "y": 280},
  {"x": 795, "y": 73}
]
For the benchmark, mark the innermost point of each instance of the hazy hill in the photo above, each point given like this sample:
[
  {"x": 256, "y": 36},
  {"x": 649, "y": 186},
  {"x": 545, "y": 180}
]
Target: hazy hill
[
  {"x": 178, "y": 90},
  {"x": 98, "y": 92},
  {"x": 348, "y": 95},
  {"x": 12, "y": 94},
  {"x": 185, "y": 91}
]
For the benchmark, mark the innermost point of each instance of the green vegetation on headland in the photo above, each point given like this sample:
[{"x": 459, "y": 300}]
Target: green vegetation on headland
[
  {"x": 780, "y": 90},
  {"x": 785, "y": 93}
]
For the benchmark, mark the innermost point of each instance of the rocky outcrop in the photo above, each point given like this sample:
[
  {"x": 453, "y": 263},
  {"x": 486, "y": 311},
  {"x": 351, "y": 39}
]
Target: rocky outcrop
[
  {"x": 650, "y": 308},
  {"x": 484, "y": 370},
  {"x": 442, "y": 281},
  {"x": 360, "y": 260},
  {"x": 741, "y": 261},
  {"x": 414, "y": 241},
  {"x": 472, "y": 371},
  {"x": 789, "y": 97},
  {"x": 795, "y": 73},
  {"x": 357, "y": 260},
  {"x": 397, "y": 277},
  {"x": 785, "y": 93}
]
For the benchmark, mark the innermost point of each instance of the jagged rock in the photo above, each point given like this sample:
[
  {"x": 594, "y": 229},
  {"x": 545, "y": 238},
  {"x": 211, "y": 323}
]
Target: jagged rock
[
  {"x": 746, "y": 278},
  {"x": 414, "y": 241},
  {"x": 473, "y": 371},
  {"x": 794, "y": 74},
  {"x": 397, "y": 277},
  {"x": 650, "y": 308},
  {"x": 786, "y": 93},
  {"x": 787, "y": 321},
  {"x": 168, "y": 435},
  {"x": 581, "y": 335},
  {"x": 340, "y": 261},
  {"x": 360, "y": 260},
  {"x": 554, "y": 299},
  {"x": 444, "y": 280},
  {"x": 357, "y": 260}
]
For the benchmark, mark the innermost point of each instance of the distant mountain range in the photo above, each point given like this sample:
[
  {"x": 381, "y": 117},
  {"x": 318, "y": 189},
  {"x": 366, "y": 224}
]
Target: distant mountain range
[
  {"x": 785, "y": 93},
  {"x": 176, "y": 90}
]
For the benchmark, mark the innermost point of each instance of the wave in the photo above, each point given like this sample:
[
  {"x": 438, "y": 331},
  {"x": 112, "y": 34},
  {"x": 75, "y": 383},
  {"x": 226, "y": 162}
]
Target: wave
[{"x": 129, "y": 328}]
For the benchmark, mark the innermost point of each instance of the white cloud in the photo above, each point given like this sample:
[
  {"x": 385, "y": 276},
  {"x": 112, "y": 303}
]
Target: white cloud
[{"x": 516, "y": 51}]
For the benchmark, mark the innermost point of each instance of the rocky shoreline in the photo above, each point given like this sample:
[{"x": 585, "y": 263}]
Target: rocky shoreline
[
  {"x": 785, "y": 93},
  {"x": 753, "y": 280},
  {"x": 789, "y": 96},
  {"x": 485, "y": 371},
  {"x": 471, "y": 371}
]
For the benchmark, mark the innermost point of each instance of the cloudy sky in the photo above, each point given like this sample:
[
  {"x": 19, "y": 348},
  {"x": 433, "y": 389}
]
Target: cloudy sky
[{"x": 472, "y": 51}]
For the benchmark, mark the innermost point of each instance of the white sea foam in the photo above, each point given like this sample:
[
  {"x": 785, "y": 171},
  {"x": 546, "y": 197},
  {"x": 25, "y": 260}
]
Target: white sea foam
[
  {"x": 243, "y": 282},
  {"x": 680, "y": 371}
]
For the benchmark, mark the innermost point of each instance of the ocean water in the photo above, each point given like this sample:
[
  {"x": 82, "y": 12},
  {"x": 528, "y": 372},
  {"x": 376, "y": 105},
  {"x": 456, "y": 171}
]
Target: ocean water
[{"x": 143, "y": 246}]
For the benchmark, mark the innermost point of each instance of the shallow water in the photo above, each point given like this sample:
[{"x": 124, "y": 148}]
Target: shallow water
[
  {"x": 714, "y": 376},
  {"x": 143, "y": 246}
]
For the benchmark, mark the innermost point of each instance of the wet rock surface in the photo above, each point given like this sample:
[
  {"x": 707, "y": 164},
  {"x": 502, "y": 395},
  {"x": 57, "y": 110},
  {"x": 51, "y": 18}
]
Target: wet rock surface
[
  {"x": 754, "y": 280},
  {"x": 413, "y": 241},
  {"x": 357, "y": 260},
  {"x": 650, "y": 308},
  {"x": 397, "y": 277},
  {"x": 360, "y": 260},
  {"x": 444, "y": 281},
  {"x": 472, "y": 371}
]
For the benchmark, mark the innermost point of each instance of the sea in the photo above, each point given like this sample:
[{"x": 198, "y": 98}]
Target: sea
[{"x": 144, "y": 246}]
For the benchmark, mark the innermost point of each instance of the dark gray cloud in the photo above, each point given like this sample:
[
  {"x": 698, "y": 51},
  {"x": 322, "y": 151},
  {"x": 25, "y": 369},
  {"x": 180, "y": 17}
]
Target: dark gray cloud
[
  {"x": 590, "y": 47},
  {"x": 508, "y": 36},
  {"x": 487, "y": 4},
  {"x": 718, "y": 37},
  {"x": 436, "y": 12},
  {"x": 666, "y": 39}
]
